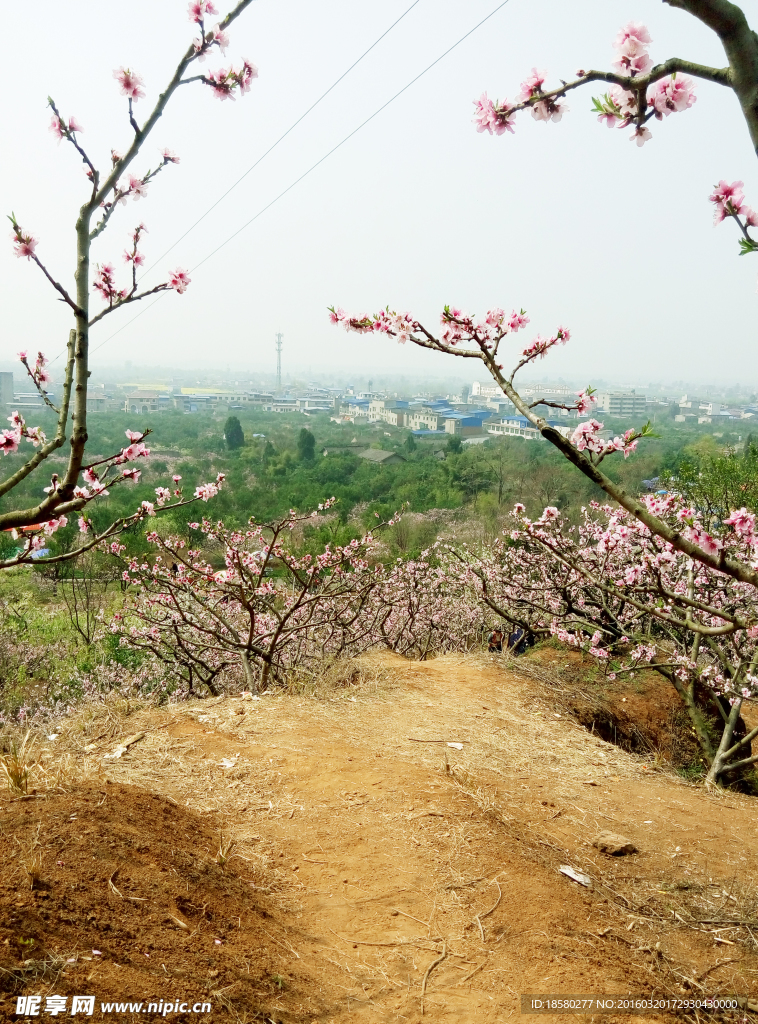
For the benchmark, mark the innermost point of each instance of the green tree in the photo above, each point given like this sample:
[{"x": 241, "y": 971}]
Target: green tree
[
  {"x": 233, "y": 433},
  {"x": 410, "y": 443},
  {"x": 306, "y": 445},
  {"x": 454, "y": 445}
]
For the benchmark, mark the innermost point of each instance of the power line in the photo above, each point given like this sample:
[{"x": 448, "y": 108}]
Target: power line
[
  {"x": 313, "y": 166},
  {"x": 281, "y": 138}
]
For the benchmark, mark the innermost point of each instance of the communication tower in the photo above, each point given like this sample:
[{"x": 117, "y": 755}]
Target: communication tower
[{"x": 279, "y": 361}]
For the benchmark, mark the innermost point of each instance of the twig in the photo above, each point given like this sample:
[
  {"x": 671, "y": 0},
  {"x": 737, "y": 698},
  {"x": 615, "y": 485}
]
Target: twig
[
  {"x": 471, "y": 975},
  {"x": 429, "y": 970},
  {"x": 725, "y": 920},
  {"x": 413, "y": 739},
  {"x": 721, "y": 963},
  {"x": 410, "y": 917},
  {"x": 481, "y": 930},
  {"x": 463, "y": 885},
  {"x": 497, "y": 901},
  {"x": 358, "y": 942},
  {"x": 291, "y": 950}
]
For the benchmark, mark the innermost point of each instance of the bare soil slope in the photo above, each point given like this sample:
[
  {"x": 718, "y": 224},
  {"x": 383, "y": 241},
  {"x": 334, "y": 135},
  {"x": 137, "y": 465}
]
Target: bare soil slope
[{"x": 402, "y": 877}]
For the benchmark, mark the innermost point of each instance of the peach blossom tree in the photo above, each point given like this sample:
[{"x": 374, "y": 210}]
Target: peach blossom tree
[{"x": 108, "y": 190}]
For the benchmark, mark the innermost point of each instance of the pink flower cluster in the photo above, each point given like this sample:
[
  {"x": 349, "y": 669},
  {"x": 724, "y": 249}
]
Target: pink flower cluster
[
  {"x": 105, "y": 284},
  {"x": 38, "y": 373},
  {"x": 398, "y": 325},
  {"x": 729, "y": 201},
  {"x": 225, "y": 81},
  {"x": 631, "y": 44},
  {"x": 619, "y": 106},
  {"x": 458, "y": 326},
  {"x": 61, "y": 130},
  {"x": 11, "y": 439},
  {"x": 207, "y": 491},
  {"x": 543, "y": 108},
  {"x": 198, "y": 10},
  {"x": 494, "y": 118},
  {"x": 585, "y": 401},
  {"x": 130, "y": 83},
  {"x": 24, "y": 244},
  {"x": 541, "y": 346},
  {"x": 586, "y": 437},
  {"x": 499, "y": 117}
]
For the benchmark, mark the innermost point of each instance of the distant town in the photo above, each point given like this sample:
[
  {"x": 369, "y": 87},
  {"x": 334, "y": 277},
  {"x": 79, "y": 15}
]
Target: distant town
[{"x": 478, "y": 412}]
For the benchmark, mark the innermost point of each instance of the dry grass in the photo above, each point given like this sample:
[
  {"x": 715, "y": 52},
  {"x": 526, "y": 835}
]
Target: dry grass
[{"x": 18, "y": 762}]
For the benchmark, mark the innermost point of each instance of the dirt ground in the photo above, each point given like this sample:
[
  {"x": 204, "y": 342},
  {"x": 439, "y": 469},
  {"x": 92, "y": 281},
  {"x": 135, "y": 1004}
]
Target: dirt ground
[{"x": 378, "y": 873}]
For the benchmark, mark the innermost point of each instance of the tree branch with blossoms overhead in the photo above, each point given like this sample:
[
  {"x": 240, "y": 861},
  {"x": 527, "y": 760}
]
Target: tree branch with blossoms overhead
[
  {"x": 109, "y": 191},
  {"x": 465, "y": 337},
  {"x": 641, "y": 91}
]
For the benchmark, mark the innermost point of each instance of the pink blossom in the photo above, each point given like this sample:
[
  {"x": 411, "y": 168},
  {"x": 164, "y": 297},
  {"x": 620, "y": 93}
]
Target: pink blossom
[
  {"x": 585, "y": 402},
  {"x": 728, "y": 199},
  {"x": 221, "y": 38},
  {"x": 74, "y": 126},
  {"x": 517, "y": 321},
  {"x": 130, "y": 82},
  {"x": 83, "y": 525},
  {"x": 134, "y": 435},
  {"x": 751, "y": 217},
  {"x": 137, "y": 187},
  {"x": 550, "y": 110},
  {"x": 148, "y": 508},
  {"x": 24, "y": 244},
  {"x": 169, "y": 157},
  {"x": 179, "y": 280},
  {"x": 245, "y": 76},
  {"x": 633, "y": 30},
  {"x": 492, "y": 117},
  {"x": 176, "y": 478},
  {"x": 56, "y": 127},
  {"x": 532, "y": 85},
  {"x": 206, "y": 491},
  {"x": 671, "y": 95},
  {"x": 641, "y": 135},
  {"x": 35, "y": 435},
  {"x": 135, "y": 257},
  {"x": 9, "y": 441},
  {"x": 743, "y": 523},
  {"x": 164, "y": 495},
  {"x": 199, "y": 8},
  {"x": 633, "y": 58}
]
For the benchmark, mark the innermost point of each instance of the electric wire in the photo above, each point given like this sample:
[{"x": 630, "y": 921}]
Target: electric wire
[
  {"x": 311, "y": 168},
  {"x": 281, "y": 138}
]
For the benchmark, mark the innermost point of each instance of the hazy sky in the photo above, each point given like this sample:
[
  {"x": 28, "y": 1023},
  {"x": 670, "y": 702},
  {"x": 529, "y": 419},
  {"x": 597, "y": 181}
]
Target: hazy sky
[{"x": 571, "y": 221}]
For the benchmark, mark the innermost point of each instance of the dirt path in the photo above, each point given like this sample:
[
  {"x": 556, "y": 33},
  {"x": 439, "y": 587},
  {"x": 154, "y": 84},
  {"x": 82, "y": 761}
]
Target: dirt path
[{"x": 419, "y": 877}]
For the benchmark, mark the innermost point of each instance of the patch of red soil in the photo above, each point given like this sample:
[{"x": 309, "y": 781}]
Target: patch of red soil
[{"x": 113, "y": 892}]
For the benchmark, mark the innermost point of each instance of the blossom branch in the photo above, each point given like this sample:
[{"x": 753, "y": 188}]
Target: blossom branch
[
  {"x": 24, "y": 246},
  {"x": 46, "y": 449},
  {"x": 68, "y": 132}
]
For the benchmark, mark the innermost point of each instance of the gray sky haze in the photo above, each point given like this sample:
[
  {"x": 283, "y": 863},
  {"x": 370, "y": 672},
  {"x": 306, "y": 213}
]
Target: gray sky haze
[{"x": 570, "y": 221}]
